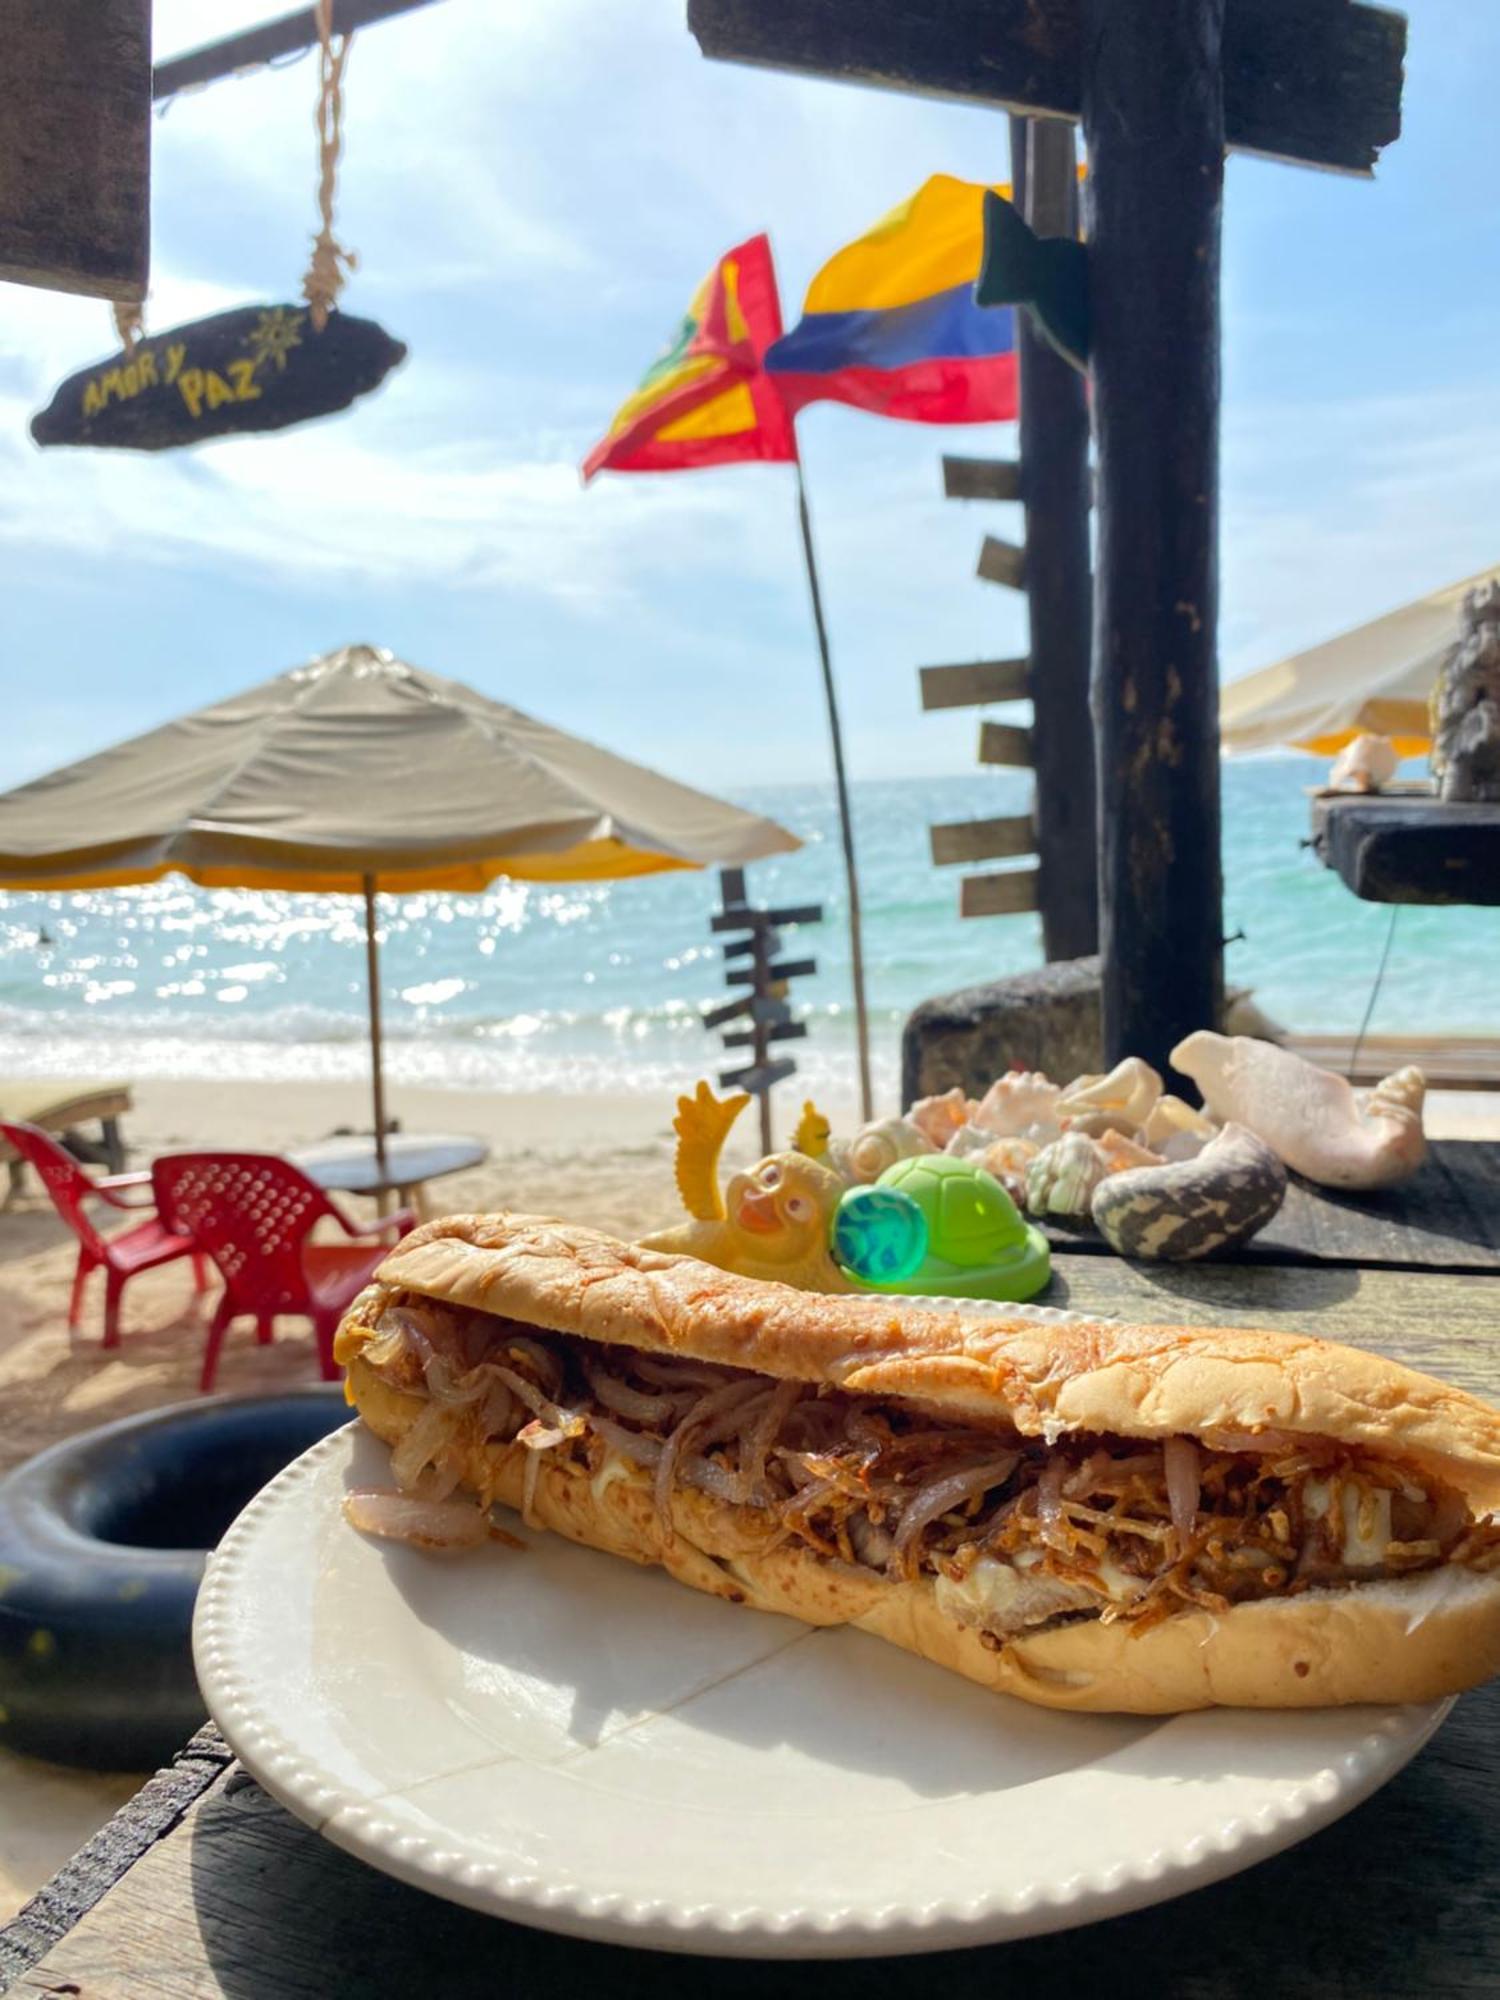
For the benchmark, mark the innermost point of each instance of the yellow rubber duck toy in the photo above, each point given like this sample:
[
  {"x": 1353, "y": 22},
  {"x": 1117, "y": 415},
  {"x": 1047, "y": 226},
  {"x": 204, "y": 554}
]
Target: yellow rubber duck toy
[{"x": 773, "y": 1221}]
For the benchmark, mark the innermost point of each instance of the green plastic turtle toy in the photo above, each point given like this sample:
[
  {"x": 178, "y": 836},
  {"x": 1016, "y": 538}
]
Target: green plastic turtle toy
[{"x": 940, "y": 1225}]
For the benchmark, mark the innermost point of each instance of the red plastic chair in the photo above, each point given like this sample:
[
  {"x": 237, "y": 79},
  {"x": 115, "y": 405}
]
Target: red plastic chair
[
  {"x": 253, "y": 1213},
  {"x": 142, "y": 1247}
]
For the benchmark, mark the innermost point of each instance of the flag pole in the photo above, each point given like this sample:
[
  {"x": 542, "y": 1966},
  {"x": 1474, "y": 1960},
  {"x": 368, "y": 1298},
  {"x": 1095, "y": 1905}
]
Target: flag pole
[{"x": 846, "y": 820}]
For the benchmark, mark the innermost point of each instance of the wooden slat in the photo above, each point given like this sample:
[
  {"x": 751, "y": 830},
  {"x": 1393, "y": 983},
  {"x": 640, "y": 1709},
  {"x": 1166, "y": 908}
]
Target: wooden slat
[
  {"x": 1004, "y": 743},
  {"x": 758, "y": 1077},
  {"x": 788, "y": 968},
  {"x": 797, "y": 913},
  {"x": 1000, "y": 895},
  {"x": 972, "y": 682},
  {"x": 1002, "y": 562},
  {"x": 1449, "y": 1062},
  {"x": 754, "y": 1007},
  {"x": 75, "y": 146},
  {"x": 1317, "y": 81},
  {"x": 981, "y": 478},
  {"x": 766, "y": 941},
  {"x": 982, "y": 839},
  {"x": 789, "y": 1031},
  {"x": 288, "y": 35}
]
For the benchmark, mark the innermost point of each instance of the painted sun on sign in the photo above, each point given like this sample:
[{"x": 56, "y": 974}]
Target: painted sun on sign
[{"x": 259, "y": 368}]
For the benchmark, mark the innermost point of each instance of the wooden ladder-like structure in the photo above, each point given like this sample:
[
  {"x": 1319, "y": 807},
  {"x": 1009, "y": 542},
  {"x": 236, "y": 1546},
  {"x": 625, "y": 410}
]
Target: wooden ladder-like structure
[{"x": 1058, "y": 836}]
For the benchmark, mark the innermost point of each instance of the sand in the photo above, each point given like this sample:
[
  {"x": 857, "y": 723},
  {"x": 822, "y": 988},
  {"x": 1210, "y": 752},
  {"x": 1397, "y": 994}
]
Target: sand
[{"x": 603, "y": 1160}]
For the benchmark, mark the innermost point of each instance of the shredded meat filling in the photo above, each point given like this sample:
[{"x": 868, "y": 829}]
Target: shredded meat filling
[{"x": 1013, "y": 1531}]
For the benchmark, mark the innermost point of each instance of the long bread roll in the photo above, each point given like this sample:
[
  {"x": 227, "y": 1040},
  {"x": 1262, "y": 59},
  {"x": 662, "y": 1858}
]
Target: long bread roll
[{"x": 1367, "y": 1620}]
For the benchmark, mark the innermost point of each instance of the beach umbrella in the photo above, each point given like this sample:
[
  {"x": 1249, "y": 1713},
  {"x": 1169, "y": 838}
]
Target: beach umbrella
[
  {"x": 355, "y": 773},
  {"x": 1377, "y": 677}
]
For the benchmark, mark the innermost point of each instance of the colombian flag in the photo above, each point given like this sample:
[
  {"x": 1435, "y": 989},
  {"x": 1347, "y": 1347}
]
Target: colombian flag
[
  {"x": 706, "y": 400},
  {"x": 890, "y": 324}
]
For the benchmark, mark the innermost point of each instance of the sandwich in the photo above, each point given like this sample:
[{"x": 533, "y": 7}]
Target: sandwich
[{"x": 1088, "y": 1515}]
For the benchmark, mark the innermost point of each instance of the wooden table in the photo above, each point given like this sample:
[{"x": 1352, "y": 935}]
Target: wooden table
[
  {"x": 202, "y": 1886},
  {"x": 1404, "y": 848},
  {"x": 350, "y": 1166}
]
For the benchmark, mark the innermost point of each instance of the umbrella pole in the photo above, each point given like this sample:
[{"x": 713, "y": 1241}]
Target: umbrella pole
[
  {"x": 846, "y": 821},
  {"x": 377, "y": 1059}
]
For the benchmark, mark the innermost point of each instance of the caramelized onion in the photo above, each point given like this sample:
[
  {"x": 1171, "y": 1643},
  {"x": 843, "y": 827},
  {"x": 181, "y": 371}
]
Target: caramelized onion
[
  {"x": 428, "y": 1444},
  {"x": 542, "y": 1359},
  {"x": 1049, "y": 1501},
  {"x": 636, "y": 1445},
  {"x": 930, "y": 1502},
  {"x": 426, "y": 1524},
  {"x": 625, "y": 1401},
  {"x": 1184, "y": 1479}
]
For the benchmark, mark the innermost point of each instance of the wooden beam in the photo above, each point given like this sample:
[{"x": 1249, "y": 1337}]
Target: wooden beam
[
  {"x": 981, "y": 478},
  {"x": 1154, "y": 123},
  {"x": 1004, "y": 894},
  {"x": 75, "y": 147},
  {"x": 787, "y": 968},
  {"x": 789, "y": 1031},
  {"x": 982, "y": 839},
  {"x": 1002, "y": 562},
  {"x": 758, "y": 1077},
  {"x": 1004, "y": 743},
  {"x": 1059, "y": 586},
  {"x": 974, "y": 682},
  {"x": 288, "y": 35},
  {"x": 1317, "y": 81}
]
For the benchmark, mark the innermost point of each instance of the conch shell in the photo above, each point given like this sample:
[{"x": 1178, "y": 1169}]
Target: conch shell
[
  {"x": 1312, "y": 1119},
  {"x": 1120, "y": 1153},
  {"x": 1130, "y": 1091},
  {"x": 1018, "y": 1104},
  {"x": 1190, "y": 1208},
  {"x": 1062, "y": 1178},
  {"x": 1364, "y": 765},
  {"x": 938, "y": 1118},
  {"x": 879, "y": 1145}
]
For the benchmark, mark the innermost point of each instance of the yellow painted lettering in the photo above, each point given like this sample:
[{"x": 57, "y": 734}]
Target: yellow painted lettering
[
  {"x": 190, "y": 382},
  {"x": 145, "y": 361},
  {"x": 242, "y": 374},
  {"x": 93, "y": 402},
  {"x": 132, "y": 380},
  {"x": 219, "y": 390},
  {"x": 176, "y": 355},
  {"x": 112, "y": 383}
]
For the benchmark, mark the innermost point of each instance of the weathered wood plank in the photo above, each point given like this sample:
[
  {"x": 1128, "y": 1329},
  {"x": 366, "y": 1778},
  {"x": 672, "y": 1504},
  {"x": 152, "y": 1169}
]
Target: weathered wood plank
[
  {"x": 1411, "y": 850},
  {"x": 757, "y": 1078},
  {"x": 1318, "y": 81},
  {"x": 75, "y": 147},
  {"x": 1153, "y": 118},
  {"x": 1004, "y": 743},
  {"x": 982, "y": 839},
  {"x": 787, "y": 1031},
  {"x": 1059, "y": 587},
  {"x": 974, "y": 682},
  {"x": 287, "y": 35},
  {"x": 1002, "y": 562},
  {"x": 981, "y": 478},
  {"x": 1446, "y": 1218},
  {"x": 1004, "y": 894},
  {"x": 1449, "y": 1062}
]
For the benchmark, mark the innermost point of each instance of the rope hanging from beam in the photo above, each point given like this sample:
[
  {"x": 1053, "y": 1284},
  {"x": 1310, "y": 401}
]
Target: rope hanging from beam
[{"x": 327, "y": 271}]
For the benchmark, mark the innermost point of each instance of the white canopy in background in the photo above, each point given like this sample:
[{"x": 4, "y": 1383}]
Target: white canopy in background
[{"x": 1377, "y": 677}]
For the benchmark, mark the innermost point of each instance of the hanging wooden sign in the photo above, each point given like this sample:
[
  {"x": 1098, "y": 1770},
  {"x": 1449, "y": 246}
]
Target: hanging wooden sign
[{"x": 258, "y": 368}]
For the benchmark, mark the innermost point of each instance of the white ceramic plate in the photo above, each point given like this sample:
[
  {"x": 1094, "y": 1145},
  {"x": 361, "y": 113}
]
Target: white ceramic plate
[{"x": 561, "y": 1738}]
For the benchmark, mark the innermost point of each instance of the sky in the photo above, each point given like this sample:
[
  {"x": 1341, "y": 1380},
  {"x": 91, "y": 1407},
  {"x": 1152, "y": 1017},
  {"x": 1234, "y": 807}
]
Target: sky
[{"x": 534, "y": 192}]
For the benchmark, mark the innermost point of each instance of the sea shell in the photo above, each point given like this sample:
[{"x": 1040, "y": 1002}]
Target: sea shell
[
  {"x": 1176, "y": 1130},
  {"x": 1062, "y": 1178},
  {"x": 968, "y": 1141},
  {"x": 938, "y": 1118},
  {"x": 1364, "y": 765},
  {"x": 1312, "y": 1119},
  {"x": 1019, "y": 1103},
  {"x": 1188, "y": 1208},
  {"x": 1131, "y": 1088},
  {"x": 879, "y": 1145},
  {"x": 1121, "y": 1153}
]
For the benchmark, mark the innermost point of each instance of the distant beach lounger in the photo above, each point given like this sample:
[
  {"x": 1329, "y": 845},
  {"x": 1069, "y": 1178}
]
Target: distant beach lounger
[{"x": 61, "y": 1107}]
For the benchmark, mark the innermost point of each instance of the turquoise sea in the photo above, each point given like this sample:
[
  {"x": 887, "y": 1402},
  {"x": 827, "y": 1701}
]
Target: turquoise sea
[{"x": 600, "y": 987}]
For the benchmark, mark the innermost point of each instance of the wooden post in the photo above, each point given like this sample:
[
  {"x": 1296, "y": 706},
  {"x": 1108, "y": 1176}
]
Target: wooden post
[
  {"x": 1153, "y": 115},
  {"x": 377, "y": 1052},
  {"x": 1055, "y": 493}
]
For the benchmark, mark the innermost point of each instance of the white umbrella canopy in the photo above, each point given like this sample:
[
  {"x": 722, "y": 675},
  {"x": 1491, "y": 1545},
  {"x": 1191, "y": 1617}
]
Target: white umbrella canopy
[
  {"x": 1377, "y": 677},
  {"x": 356, "y": 772}
]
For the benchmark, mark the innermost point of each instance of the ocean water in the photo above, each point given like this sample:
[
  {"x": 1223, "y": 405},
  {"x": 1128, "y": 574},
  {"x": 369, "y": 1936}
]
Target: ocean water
[{"x": 601, "y": 986}]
